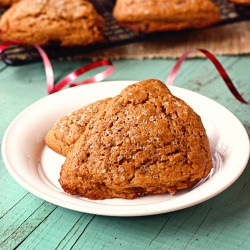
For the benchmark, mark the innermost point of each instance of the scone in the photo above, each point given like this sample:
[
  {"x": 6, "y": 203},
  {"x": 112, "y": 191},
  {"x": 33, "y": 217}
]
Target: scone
[
  {"x": 67, "y": 130},
  {"x": 163, "y": 15},
  {"x": 43, "y": 22},
  {"x": 145, "y": 141}
]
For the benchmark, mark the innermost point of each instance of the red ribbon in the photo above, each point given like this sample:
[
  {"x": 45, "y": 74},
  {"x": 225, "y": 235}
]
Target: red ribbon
[
  {"x": 171, "y": 77},
  {"x": 51, "y": 87}
]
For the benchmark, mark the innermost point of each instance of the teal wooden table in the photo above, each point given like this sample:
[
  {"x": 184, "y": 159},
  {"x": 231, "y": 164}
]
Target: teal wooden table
[{"x": 223, "y": 222}]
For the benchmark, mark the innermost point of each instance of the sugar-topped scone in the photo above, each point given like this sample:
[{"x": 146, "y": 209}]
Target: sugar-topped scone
[
  {"x": 163, "y": 15},
  {"x": 145, "y": 141},
  {"x": 42, "y": 22},
  {"x": 67, "y": 130}
]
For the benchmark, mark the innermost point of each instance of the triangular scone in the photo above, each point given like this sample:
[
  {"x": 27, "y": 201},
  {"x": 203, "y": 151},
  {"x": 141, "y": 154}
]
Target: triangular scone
[
  {"x": 43, "y": 22},
  {"x": 67, "y": 130},
  {"x": 145, "y": 141},
  {"x": 163, "y": 15}
]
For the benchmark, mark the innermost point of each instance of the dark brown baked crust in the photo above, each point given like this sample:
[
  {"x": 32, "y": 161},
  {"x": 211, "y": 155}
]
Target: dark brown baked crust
[
  {"x": 145, "y": 141},
  {"x": 242, "y": 2},
  {"x": 4, "y": 3},
  {"x": 162, "y": 15},
  {"x": 67, "y": 130},
  {"x": 66, "y": 22}
]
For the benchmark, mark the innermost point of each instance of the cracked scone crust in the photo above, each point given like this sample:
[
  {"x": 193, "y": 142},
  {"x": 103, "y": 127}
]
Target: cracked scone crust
[
  {"x": 162, "y": 15},
  {"x": 42, "y": 22},
  {"x": 67, "y": 130},
  {"x": 145, "y": 141}
]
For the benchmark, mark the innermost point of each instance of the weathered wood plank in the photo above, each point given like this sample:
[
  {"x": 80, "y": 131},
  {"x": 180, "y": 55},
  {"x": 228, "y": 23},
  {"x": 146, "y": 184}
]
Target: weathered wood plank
[{"x": 27, "y": 222}]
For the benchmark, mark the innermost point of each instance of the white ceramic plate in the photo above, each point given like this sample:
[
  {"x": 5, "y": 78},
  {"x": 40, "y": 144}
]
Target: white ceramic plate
[{"x": 37, "y": 168}]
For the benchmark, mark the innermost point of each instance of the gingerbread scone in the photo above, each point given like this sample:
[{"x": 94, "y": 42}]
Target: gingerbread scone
[
  {"x": 164, "y": 15},
  {"x": 67, "y": 130},
  {"x": 43, "y": 22},
  {"x": 145, "y": 141}
]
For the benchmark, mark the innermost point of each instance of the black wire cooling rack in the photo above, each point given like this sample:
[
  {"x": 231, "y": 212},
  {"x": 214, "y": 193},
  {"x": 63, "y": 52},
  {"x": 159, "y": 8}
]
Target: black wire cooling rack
[{"x": 114, "y": 35}]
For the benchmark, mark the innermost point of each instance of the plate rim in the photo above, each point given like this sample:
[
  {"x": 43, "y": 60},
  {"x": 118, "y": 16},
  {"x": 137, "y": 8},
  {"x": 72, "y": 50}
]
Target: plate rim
[{"x": 62, "y": 203}]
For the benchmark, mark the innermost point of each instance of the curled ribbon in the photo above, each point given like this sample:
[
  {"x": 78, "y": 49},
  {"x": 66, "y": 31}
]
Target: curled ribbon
[
  {"x": 52, "y": 88},
  {"x": 171, "y": 77},
  {"x": 68, "y": 80}
]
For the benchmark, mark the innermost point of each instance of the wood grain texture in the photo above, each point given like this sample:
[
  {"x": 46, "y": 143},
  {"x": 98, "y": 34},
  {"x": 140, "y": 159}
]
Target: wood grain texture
[{"x": 223, "y": 222}]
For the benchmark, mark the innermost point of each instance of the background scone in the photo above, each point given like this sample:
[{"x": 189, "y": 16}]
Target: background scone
[
  {"x": 145, "y": 141},
  {"x": 42, "y": 22},
  {"x": 163, "y": 15},
  {"x": 67, "y": 130}
]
